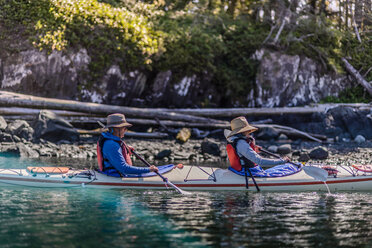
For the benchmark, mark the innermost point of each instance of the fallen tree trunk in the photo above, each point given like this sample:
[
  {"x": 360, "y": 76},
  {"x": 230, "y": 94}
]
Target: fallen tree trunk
[
  {"x": 94, "y": 120},
  {"x": 357, "y": 76},
  {"x": 154, "y": 135},
  {"x": 204, "y": 112},
  {"x": 234, "y": 112},
  {"x": 6, "y": 111},
  {"x": 153, "y": 122},
  {"x": 27, "y": 101}
]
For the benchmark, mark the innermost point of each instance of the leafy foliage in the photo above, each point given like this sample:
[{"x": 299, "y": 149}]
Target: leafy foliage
[
  {"x": 107, "y": 32},
  {"x": 352, "y": 95},
  {"x": 205, "y": 37}
]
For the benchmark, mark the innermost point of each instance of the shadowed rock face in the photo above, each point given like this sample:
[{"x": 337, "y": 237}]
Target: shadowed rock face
[
  {"x": 37, "y": 73},
  {"x": 281, "y": 80},
  {"x": 284, "y": 80},
  {"x": 354, "y": 122}
]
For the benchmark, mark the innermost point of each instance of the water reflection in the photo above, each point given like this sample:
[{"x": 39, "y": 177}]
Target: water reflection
[
  {"x": 84, "y": 218},
  {"x": 124, "y": 218},
  {"x": 88, "y": 217},
  {"x": 285, "y": 219}
]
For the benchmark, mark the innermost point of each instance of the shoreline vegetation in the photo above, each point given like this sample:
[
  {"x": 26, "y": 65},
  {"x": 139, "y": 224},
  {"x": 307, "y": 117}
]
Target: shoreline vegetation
[{"x": 213, "y": 40}]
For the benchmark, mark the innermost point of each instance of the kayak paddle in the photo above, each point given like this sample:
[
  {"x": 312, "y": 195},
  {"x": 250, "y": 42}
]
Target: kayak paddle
[
  {"x": 315, "y": 172},
  {"x": 147, "y": 164},
  {"x": 162, "y": 177}
]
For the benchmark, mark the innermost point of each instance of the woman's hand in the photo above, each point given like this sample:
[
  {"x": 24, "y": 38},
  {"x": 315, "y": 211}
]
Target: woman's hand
[
  {"x": 153, "y": 168},
  {"x": 257, "y": 149},
  {"x": 286, "y": 159}
]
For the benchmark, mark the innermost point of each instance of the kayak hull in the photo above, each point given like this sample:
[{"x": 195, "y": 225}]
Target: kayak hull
[{"x": 187, "y": 178}]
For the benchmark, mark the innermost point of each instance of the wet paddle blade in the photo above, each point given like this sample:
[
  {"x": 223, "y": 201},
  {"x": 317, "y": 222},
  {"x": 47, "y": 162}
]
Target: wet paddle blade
[
  {"x": 226, "y": 132},
  {"x": 178, "y": 189},
  {"x": 316, "y": 173}
]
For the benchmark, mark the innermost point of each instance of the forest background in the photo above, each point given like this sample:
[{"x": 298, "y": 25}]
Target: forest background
[{"x": 207, "y": 38}]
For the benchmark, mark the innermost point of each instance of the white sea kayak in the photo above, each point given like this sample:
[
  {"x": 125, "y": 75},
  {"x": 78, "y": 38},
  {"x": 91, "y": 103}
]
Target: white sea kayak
[{"x": 190, "y": 178}]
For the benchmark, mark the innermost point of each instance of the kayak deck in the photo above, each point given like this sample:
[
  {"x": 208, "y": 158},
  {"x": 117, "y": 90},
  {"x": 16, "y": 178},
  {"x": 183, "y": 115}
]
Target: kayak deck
[{"x": 190, "y": 178}]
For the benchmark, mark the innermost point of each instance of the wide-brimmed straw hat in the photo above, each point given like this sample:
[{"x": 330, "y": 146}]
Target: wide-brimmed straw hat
[
  {"x": 117, "y": 120},
  {"x": 240, "y": 125}
]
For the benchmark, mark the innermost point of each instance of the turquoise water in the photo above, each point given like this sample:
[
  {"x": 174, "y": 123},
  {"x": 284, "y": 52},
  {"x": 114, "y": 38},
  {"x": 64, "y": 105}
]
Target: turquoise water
[{"x": 123, "y": 218}]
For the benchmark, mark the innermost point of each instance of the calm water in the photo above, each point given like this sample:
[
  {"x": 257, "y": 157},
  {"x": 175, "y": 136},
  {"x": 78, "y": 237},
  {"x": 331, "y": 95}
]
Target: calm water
[{"x": 123, "y": 218}]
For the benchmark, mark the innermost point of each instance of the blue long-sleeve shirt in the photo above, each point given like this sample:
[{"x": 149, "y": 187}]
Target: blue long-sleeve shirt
[
  {"x": 244, "y": 149},
  {"x": 113, "y": 157}
]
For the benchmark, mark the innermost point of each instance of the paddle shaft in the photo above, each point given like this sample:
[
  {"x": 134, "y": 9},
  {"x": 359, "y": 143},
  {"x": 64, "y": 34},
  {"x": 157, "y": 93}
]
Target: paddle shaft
[
  {"x": 246, "y": 178},
  {"x": 157, "y": 173},
  {"x": 250, "y": 174},
  {"x": 276, "y": 156},
  {"x": 148, "y": 165}
]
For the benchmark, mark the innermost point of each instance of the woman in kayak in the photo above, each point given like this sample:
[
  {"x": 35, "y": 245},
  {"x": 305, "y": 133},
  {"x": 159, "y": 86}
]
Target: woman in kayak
[
  {"x": 113, "y": 154},
  {"x": 242, "y": 149}
]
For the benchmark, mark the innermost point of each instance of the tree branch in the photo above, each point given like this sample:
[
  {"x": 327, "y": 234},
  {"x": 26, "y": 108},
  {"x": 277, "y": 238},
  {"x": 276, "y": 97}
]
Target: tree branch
[
  {"x": 280, "y": 31},
  {"x": 357, "y": 76},
  {"x": 269, "y": 35},
  {"x": 356, "y": 31}
]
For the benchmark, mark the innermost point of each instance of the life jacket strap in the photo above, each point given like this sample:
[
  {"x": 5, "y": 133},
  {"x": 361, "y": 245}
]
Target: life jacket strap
[
  {"x": 238, "y": 162},
  {"x": 101, "y": 159}
]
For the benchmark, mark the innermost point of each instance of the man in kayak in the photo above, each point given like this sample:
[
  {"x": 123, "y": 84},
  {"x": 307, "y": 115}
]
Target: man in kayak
[
  {"x": 242, "y": 149},
  {"x": 113, "y": 154}
]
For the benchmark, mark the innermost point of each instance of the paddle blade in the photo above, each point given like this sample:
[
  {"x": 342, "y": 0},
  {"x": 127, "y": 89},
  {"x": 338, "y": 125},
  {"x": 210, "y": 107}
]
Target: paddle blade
[
  {"x": 178, "y": 189},
  {"x": 316, "y": 173},
  {"x": 227, "y": 132}
]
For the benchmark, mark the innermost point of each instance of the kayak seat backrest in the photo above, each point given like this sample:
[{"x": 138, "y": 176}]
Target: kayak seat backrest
[
  {"x": 332, "y": 171},
  {"x": 276, "y": 171},
  {"x": 48, "y": 170},
  {"x": 162, "y": 169},
  {"x": 364, "y": 168}
]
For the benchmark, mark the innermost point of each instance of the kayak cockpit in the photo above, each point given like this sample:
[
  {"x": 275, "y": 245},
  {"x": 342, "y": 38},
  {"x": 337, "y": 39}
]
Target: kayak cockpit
[{"x": 276, "y": 171}]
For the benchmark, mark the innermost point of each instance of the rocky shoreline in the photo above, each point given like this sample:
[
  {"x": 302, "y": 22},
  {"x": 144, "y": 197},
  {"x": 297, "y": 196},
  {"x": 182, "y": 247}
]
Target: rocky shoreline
[
  {"x": 51, "y": 138},
  {"x": 209, "y": 151}
]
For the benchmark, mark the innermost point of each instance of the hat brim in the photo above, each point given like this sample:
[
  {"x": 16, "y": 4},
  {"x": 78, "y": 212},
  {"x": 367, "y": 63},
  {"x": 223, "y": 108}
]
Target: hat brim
[
  {"x": 249, "y": 128},
  {"x": 125, "y": 124}
]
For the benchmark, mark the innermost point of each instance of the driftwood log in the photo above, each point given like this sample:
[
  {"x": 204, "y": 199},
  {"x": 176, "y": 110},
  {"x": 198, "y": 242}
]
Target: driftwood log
[
  {"x": 234, "y": 112},
  {"x": 192, "y": 115},
  {"x": 15, "y": 111},
  {"x": 27, "y": 101},
  {"x": 147, "y": 122},
  {"x": 80, "y": 112},
  {"x": 282, "y": 129},
  {"x": 155, "y": 135}
]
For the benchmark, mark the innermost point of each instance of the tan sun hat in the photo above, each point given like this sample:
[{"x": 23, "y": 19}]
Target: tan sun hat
[
  {"x": 240, "y": 125},
  {"x": 117, "y": 120}
]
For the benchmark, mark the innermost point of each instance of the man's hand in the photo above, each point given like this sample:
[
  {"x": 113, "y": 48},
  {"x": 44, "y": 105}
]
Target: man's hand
[
  {"x": 257, "y": 149},
  {"x": 153, "y": 168}
]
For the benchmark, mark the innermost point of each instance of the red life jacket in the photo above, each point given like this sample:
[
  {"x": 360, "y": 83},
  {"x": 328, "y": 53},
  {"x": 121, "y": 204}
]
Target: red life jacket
[
  {"x": 234, "y": 159},
  {"x": 126, "y": 151}
]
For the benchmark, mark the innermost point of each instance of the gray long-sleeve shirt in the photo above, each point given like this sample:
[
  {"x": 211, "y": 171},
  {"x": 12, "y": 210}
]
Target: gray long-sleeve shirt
[{"x": 244, "y": 149}]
